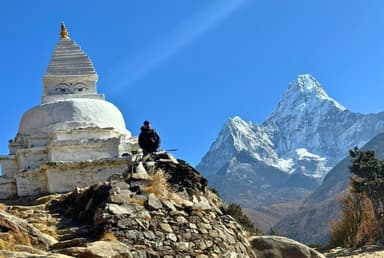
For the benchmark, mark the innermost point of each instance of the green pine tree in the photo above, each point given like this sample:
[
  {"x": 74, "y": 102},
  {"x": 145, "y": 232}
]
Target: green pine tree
[{"x": 369, "y": 179}]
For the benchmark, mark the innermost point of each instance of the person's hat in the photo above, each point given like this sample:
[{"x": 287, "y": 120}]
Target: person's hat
[{"x": 146, "y": 122}]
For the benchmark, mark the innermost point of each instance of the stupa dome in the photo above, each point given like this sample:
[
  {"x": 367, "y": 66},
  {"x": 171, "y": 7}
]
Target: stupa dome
[{"x": 71, "y": 114}]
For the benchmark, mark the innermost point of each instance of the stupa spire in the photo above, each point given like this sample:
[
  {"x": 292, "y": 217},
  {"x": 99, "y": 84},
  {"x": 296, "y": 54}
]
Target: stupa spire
[
  {"x": 64, "y": 32},
  {"x": 70, "y": 72}
]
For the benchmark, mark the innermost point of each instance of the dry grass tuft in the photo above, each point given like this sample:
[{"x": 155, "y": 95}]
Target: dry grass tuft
[
  {"x": 7, "y": 245},
  {"x": 3, "y": 207},
  {"x": 108, "y": 236},
  {"x": 10, "y": 239},
  {"x": 10, "y": 235},
  {"x": 140, "y": 202},
  {"x": 159, "y": 186},
  {"x": 22, "y": 239}
]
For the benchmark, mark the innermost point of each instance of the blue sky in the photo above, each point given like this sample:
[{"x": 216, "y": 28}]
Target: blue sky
[{"x": 189, "y": 65}]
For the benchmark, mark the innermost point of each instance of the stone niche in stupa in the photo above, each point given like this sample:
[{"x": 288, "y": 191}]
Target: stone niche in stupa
[{"x": 74, "y": 138}]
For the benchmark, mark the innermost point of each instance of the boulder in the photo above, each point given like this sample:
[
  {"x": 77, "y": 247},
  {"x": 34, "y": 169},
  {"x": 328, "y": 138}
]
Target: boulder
[
  {"x": 154, "y": 202},
  {"x": 11, "y": 254},
  {"x": 15, "y": 225},
  {"x": 101, "y": 249},
  {"x": 281, "y": 247}
]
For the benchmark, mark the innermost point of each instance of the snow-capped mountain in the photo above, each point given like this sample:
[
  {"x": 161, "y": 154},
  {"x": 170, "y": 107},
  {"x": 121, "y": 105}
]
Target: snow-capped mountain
[
  {"x": 279, "y": 163},
  {"x": 307, "y": 134},
  {"x": 240, "y": 136}
]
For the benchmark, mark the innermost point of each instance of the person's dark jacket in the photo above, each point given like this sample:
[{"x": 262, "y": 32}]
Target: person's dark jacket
[{"x": 149, "y": 140}]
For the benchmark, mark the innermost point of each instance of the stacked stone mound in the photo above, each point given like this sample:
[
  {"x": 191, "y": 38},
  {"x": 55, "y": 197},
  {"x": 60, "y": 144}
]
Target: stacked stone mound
[{"x": 157, "y": 207}]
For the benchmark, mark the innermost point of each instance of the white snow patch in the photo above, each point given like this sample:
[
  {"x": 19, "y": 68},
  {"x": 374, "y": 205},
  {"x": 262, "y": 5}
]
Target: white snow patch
[
  {"x": 303, "y": 153},
  {"x": 285, "y": 165}
]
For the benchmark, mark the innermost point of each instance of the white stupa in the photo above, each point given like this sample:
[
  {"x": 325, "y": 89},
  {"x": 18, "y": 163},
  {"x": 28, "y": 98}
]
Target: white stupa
[{"x": 73, "y": 138}]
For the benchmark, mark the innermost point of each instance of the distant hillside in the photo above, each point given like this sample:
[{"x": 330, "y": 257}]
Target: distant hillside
[
  {"x": 310, "y": 223},
  {"x": 265, "y": 217}
]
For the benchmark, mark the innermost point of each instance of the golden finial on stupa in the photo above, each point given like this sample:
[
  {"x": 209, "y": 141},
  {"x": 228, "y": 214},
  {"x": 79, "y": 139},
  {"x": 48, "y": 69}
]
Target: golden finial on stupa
[{"x": 64, "y": 32}]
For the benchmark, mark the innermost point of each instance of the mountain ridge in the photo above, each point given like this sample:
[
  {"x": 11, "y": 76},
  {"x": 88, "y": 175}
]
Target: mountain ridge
[
  {"x": 287, "y": 156},
  {"x": 298, "y": 127}
]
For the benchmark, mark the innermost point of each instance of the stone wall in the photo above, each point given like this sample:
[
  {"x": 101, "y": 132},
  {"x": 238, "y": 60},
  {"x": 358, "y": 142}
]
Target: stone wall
[
  {"x": 8, "y": 165},
  {"x": 7, "y": 188},
  {"x": 63, "y": 177},
  {"x": 32, "y": 182},
  {"x": 37, "y": 141},
  {"x": 31, "y": 158},
  {"x": 83, "y": 134},
  {"x": 87, "y": 150}
]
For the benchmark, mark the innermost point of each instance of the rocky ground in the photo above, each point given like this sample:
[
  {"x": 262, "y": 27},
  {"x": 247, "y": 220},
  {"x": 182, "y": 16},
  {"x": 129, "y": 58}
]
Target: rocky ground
[
  {"x": 363, "y": 252},
  {"x": 159, "y": 207}
]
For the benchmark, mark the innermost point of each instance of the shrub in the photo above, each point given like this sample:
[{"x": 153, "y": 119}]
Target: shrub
[
  {"x": 237, "y": 213},
  {"x": 357, "y": 225},
  {"x": 274, "y": 232}
]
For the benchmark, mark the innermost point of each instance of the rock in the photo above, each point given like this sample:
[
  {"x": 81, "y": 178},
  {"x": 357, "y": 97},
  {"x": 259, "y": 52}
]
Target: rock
[
  {"x": 186, "y": 203},
  {"x": 281, "y": 247},
  {"x": 124, "y": 196},
  {"x": 11, "y": 254},
  {"x": 28, "y": 249},
  {"x": 154, "y": 202},
  {"x": 182, "y": 246},
  {"x": 140, "y": 172},
  {"x": 181, "y": 220},
  {"x": 69, "y": 243},
  {"x": 166, "y": 227},
  {"x": 213, "y": 233},
  {"x": 203, "y": 204},
  {"x": 101, "y": 249},
  {"x": 132, "y": 234},
  {"x": 233, "y": 255},
  {"x": 120, "y": 209},
  {"x": 118, "y": 186},
  {"x": 150, "y": 165},
  {"x": 203, "y": 228},
  {"x": 139, "y": 184},
  {"x": 140, "y": 199},
  {"x": 16, "y": 224},
  {"x": 47, "y": 198},
  {"x": 172, "y": 237},
  {"x": 149, "y": 235},
  {"x": 169, "y": 205}
]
